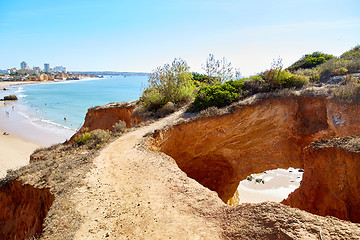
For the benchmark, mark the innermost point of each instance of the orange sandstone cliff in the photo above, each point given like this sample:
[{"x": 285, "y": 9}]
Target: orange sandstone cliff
[
  {"x": 220, "y": 151},
  {"x": 104, "y": 117},
  {"x": 331, "y": 181},
  {"x": 23, "y": 209}
]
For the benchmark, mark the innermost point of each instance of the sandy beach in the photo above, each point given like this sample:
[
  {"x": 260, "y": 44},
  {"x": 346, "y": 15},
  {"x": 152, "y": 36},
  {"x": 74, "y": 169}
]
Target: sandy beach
[
  {"x": 12, "y": 83},
  {"x": 273, "y": 185},
  {"x": 15, "y": 151}
]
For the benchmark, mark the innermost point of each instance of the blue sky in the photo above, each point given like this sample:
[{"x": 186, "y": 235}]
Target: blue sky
[{"x": 142, "y": 35}]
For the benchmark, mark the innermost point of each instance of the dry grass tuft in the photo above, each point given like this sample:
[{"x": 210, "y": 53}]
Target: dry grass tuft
[
  {"x": 212, "y": 111},
  {"x": 350, "y": 91},
  {"x": 120, "y": 126},
  {"x": 350, "y": 143}
]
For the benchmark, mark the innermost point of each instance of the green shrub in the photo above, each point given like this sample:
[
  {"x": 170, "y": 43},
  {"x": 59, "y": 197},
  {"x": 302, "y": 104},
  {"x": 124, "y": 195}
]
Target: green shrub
[
  {"x": 83, "y": 138},
  {"x": 203, "y": 78},
  {"x": 349, "y": 60},
  {"x": 277, "y": 79},
  {"x": 169, "y": 83},
  {"x": 310, "y": 60},
  {"x": 352, "y": 54},
  {"x": 219, "y": 95},
  {"x": 100, "y": 136},
  {"x": 339, "y": 71}
]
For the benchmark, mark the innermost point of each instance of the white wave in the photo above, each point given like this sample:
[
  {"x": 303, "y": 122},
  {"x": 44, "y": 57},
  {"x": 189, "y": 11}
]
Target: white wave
[
  {"x": 22, "y": 96},
  {"x": 56, "y": 124},
  {"x": 41, "y": 122},
  {"x": 19, "y": 90}
]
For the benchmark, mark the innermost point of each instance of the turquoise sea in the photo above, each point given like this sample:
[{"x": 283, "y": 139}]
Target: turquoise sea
[{"x": 60, "y": 107}]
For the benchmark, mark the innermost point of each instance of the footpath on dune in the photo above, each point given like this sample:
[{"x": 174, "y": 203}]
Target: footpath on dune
[{"x": 132, "y": 193}]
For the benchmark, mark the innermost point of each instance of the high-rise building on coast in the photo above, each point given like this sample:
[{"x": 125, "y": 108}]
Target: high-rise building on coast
[
  {"x": 24, "y": 65},
  {"x": 59, "y": 69},
  {"x": 37, "y": 69},
  {"x": 46, "y": 67}
]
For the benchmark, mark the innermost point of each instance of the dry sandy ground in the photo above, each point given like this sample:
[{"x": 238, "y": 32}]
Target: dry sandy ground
[
  {"x": 15, "y": 152},
  {"x": 150, "y": 203}
]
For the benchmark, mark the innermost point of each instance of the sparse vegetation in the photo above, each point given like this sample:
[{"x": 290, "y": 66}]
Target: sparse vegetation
[
  {"x": 350, "y": 91},
  {"x": 172, "y": 86},
  {"x": 211, "y": 111},
  {"x": 348, "y": 62},
  {"x": 339, "y": 71},
  {"x": 99, "y": 136},
  {"x": 354, "y": 53},
  {"x": 168, "y": 108},
  {"x": 94, "y": 138},
  {"x": 120, "y": 126},
  {"x": 200, "y": 79}
]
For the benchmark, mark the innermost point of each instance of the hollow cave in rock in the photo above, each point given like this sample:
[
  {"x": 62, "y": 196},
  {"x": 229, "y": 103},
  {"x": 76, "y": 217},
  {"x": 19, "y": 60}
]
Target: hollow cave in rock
[{"x": 220, "y": 151}]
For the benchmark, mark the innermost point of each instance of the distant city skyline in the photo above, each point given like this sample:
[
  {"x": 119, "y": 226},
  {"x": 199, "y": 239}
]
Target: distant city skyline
[
  {"x": 138, "y": 36},
  {"x": 25, "y": 68}
]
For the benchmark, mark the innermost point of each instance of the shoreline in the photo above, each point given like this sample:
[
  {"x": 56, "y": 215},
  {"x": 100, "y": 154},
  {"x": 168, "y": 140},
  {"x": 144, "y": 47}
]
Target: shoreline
[
  {"x": 22, "y": 137},
  {"x": 14, "y": 122}
]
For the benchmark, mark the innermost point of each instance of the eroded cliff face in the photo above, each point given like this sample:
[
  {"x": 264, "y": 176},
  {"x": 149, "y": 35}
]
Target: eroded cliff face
[
  {"x": 23, "y": 209},
  {"x": 221, "y": 151},
  {"x": 330, "y": 184},
  {"x": 104, "y": 117}
]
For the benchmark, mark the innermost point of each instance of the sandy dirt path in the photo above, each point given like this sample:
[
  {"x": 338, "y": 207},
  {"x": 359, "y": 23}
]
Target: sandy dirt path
[{"x": 135, "y": 194}]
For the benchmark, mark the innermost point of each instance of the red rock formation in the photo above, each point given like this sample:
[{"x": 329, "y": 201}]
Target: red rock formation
[
  {"x": 330, "y": 184},
  {"x": 23, "y": 209},
  {"x": 105, "y": 117},
  {"x": 221, "y": 151}
]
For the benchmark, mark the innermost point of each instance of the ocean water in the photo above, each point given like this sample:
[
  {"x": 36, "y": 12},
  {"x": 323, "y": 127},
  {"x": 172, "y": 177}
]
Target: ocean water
[{"x": 60, "y": 107}]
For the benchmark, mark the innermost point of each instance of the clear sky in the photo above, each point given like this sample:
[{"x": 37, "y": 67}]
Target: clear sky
[{"x": 141, "y": 35}]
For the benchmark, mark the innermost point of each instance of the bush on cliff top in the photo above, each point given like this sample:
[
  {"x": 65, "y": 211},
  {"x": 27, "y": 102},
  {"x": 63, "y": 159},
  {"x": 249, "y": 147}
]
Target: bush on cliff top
[
  {"x": 224, "y": 94},
  {"x": 219, "y": 95},
  {"x": 348, "y": 62},
  {"x": 94, "y": 137},
  {"x": 310, "y": 60},
  {"x": 169, "y": 83}
]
